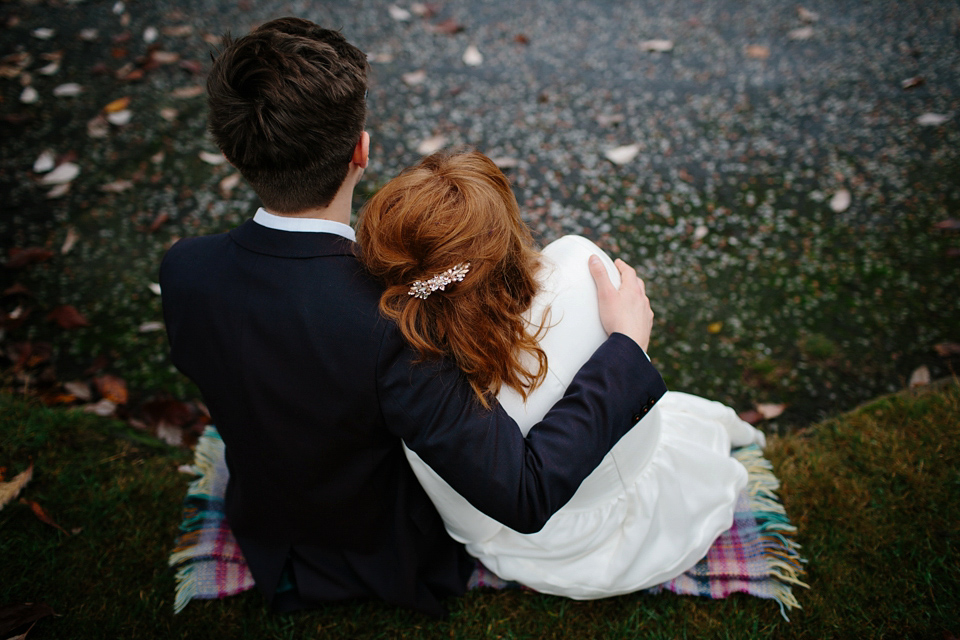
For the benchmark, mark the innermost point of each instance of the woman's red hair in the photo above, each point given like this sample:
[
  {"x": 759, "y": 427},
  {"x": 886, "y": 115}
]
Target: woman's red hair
[{"x": 444, "y": 211}]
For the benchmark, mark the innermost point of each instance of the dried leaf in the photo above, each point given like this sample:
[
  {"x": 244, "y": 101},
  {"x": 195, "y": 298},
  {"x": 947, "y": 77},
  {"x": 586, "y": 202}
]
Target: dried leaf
[
  {"x": 89, "y": 35},
  {"x": 933, "y": 119},
  {"x": 380, "y": 58},
  {"x": 29, "y": 95},
  {"x": 67, "y": 316},
  {"x": 49, "y": 69},
  {"x": 59, "y": 191},
  {"x": 472, "y": 56},
  {"x": 44, "y": 162},
  {"x": 751, "y": 415},
  {"x": 150, "y": 35},
  {"x": 622, "y": 155},
  {"x": 505, "y": 162},
  {"x": 656, "y": 46},
  {"x": 42, "y": 515},
  {"x": 155, "y": 288},
  {"x": 120, "y": 118},
  {"x": 193, "y": 66},
  {"x": 10, "y": 490},
  {"x": 64, "y": 173},
  {"x": 758, "y": 51},
  {"x": 148, "y": 327},
  {"x": 447, "y": 27},
  {"x": 104, "y": 408},
  {"x": 68, "y": 90},
  {"x": 22, "y": 257},
  {"x": 947, "y": 349},
  {"x": 840, "y": 201},
  {"x": 169, "y": 114},
  {"x": 98, "y": 127},
  {"x": 806, "y": 15},
  {"x": 117, "y": 186},
  {"x": 770, "y": 411},
  {"x": 69, "y": 241},
  {"x": 398, "y": 13},
  {"x": 170, "y": 434},
  {"x": 158, "y": 221},
  {"x": 164, "y": 57},
  {"x": 112, "y": 387},
  {"x": 43, "y": 33},
  {"x": 803, "y": 33},
  {"x": 714, "y": 327},
  {"x": 414, "y": 77},
  {"x": 120, "y": 104},
  {"x": 913, "y": 82},
  {"x": 178, "y": 31},
  {"x": 432, "y": 145},
  {"x": 228, "y": 184},
  {"x": 920, "y": 376},
  {"x": 188, "y": 92},
  {"x": 80, "y": 390},
  {"x": 605, "y": 120},
  {"x": 212, "y": 158}
]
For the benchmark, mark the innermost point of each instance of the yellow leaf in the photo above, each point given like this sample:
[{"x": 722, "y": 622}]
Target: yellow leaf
[
  {"x": 714, "y": 327},
  {"x": 10, "y": 490},
  {"x": 117, "y": 105}
]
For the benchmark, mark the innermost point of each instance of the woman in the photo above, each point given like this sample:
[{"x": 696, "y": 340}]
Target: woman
[{"x": 464, "y": 280}]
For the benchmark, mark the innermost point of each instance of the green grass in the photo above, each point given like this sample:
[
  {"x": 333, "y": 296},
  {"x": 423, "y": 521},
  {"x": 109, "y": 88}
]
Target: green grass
[{"x": 875, "y": 494}]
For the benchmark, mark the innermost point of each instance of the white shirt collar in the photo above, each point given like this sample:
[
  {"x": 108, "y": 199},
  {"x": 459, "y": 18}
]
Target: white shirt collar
[{"x": 313, "y": 225}]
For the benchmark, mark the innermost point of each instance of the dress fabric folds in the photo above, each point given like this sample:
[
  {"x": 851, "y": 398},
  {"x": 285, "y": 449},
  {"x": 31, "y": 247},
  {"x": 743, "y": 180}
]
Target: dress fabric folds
[{"x": 656, "y": 502}]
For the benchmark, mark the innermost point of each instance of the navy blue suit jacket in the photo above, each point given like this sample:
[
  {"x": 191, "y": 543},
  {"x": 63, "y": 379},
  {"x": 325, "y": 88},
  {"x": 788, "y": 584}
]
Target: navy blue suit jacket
[{"x": 312, "y": 391}]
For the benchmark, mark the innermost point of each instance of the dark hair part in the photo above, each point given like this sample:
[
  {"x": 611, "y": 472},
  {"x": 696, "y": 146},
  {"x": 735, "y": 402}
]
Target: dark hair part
[{"x": 287, "y": 108}]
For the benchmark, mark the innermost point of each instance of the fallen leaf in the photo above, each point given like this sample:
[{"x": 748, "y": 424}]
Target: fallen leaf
[
  {"x": 19, "y": 258},
  {"x": 398, "y": 13},
  {"x": 68, "y": 90},
  {"x": 150, "y": 35},
  {"x": 656, "y": 46},
  {"x": 447, "y": 27},
  {"x": 946, "y": 349},
  {"x": 67, "y": 316},
  {"x": 913, "y": 82},
  {"x": 158, "y": 221},
  {"x": 80, "y": 390},
  {"x": 472, "y": 56},
  {"x": 120, "y": 104},
  {"x": 69, "y": 241},
  {"x": 29, "y": 95},
  {"x": 920, "y": 376},
  {"x": 148, "y": 327},
  {"x": 117, "y": 186},
  {"x": 505, "y": 162},
  {"x": 714, "y": 327},
  {"x": 840, "y": 201},
  {"x": 120, "y": 118},
  {"x": 43, "y": 33},
  {"x": 44, "y": 162},
  {"x": 758, "y": 51},
  {"x": 64, "y": 173},
  {"x": 169, "y": 114},
  {"x": 432, "y": 145},
  {"x": 228, "y": 184},
  {"x": 806, "y": 15},
  {"x": 42, "y": 515},
  {"x": 803, "y": 33},
  {"x": 59, "y": 191},
  {"x": 933, "y": 119},
  {"x": 751, "y": 415},
  {"x": 155, "y": 288},
  {"x": 212, "y": 158},
  {"x": 49, "y": 69},
  {"x": 423, "y": 9},
  {"x": 170, "y": 434},
  {"x": 193, "y": 66},
  {"x": 89, "y": 35},
  {"x": 10, "y": 490},
  {"x": 622, "y": 155},
  {"x": 112, "y": 387},
  {"x": 164, "y": 57},
  {"x": 188, "y": 92},
  {"x": 104, "y": 408},
  {"x": 119, "y": 7},
  {"x": 605, "y": 120},
  {"x": 770, "y": 411},
  {"x": 700, "y": 232},
  {"x": 98, "y": 127},
  {"x": 521, "y": 38},
  {"x": 178, "y": 31},
  {"x": 414, "y": 77},
  {"x": 212, "y": 39},
  {"x": 380, "y": 58}
]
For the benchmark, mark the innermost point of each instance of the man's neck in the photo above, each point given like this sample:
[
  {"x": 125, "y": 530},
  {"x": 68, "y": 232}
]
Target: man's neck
[{"x": 338, "y": 210}]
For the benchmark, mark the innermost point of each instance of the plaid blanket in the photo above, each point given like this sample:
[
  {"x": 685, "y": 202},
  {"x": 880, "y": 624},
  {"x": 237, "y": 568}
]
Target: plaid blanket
[{"x": 757, "y": 555}]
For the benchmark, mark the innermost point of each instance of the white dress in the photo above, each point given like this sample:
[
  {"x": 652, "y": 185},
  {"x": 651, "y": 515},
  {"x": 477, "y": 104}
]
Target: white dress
[{"x": 657, "y": 501}]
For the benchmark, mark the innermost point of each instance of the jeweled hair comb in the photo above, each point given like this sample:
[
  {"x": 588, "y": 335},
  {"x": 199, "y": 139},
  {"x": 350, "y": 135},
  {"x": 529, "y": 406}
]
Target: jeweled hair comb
[{"x": 423, "y": 288}]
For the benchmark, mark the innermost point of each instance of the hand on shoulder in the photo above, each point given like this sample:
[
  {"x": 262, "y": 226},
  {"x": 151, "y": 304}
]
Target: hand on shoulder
[{"x": 626, "y": 310}]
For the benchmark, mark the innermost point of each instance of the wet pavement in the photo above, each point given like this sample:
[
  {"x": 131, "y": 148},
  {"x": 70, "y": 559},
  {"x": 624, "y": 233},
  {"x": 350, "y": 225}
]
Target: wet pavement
[{"x": 785, "y": 178}]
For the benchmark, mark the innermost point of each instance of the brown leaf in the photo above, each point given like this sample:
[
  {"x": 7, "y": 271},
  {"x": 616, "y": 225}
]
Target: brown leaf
[
  {"x": 770, "y": 411},
  {"x": 10, "y": 490},
  {"x": 447, "y": 27},
  {"x": 920, "y": 376},
  {"x": 22, "y": 257},
  {"x": 69, "y": 241},
  {"x": 521, "y": 38},
  {"x": 14, "y": 616},
  {"x": 947, "y": 349},
  {"x": 16, "y": 289},
  {"x": 751, "y": 415},
  {"x": 178, "y": 30},
  {"x": 188, "y": 92},
  {"x": 912, "y": 83},
  {"x": 117, "y": 105},
  {"x": 193, "y": 66},
  {"x": 67, "y": 316},
  {"x": 950, "y": 224},
  {"x": 158, "y": 221},
  {"x": 112, "y": 387},
  {"x": 79, "y": 390},
  {"x": 42, "y": 515},
  {"x": 758, "y": 51}
]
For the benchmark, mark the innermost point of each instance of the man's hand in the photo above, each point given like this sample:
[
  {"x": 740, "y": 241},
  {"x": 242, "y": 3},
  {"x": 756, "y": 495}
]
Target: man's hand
[{"x": 626, "y": 311}]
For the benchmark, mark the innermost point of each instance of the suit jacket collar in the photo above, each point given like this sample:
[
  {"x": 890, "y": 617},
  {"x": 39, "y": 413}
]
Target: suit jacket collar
[{"x": 291, "y": 244}]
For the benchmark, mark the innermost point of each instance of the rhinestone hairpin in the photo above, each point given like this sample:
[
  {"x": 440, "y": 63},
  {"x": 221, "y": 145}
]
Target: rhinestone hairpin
[{"x": 423, "y": 288}]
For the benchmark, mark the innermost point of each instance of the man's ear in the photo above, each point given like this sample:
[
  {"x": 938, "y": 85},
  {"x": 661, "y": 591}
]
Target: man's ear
[{"x": 361, "y": 153}]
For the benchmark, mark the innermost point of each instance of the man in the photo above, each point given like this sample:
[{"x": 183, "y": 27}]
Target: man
[{"x": 312, "y": 391}]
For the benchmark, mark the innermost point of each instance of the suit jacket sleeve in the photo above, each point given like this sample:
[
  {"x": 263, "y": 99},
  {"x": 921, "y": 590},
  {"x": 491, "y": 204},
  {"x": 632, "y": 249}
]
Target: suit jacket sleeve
[{"x": 482, "y": 454}]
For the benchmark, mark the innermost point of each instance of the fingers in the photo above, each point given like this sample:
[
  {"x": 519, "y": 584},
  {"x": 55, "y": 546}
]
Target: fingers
[
  {"x": 600, "y": 276},
  {"x": 628, "y": 276}
]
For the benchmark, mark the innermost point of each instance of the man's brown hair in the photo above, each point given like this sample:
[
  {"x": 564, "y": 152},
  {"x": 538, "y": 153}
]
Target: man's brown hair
[{"x": 287, "y": 108}]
